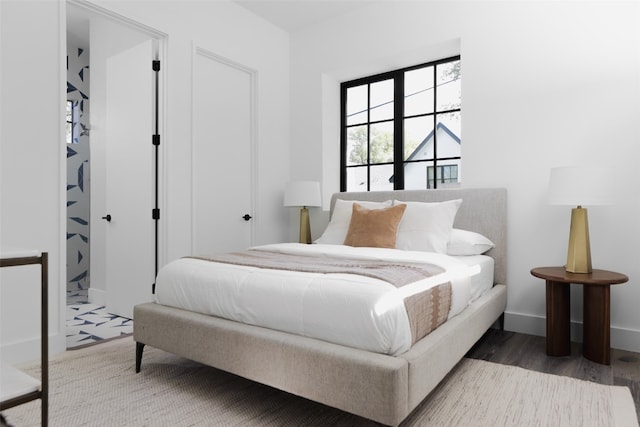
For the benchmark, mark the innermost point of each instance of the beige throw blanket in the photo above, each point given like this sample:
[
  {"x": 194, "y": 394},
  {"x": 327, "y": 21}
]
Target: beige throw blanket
[
  {"x": 397, "y": 273},
  {"x": 426, "y": 309}
]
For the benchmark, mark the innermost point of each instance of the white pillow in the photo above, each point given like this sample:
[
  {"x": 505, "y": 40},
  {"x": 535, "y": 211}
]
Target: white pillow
[
  {"x": 426, "y": 226},
  {"x": 464, "y": 242},
  {"x": 336, "y": 231}
]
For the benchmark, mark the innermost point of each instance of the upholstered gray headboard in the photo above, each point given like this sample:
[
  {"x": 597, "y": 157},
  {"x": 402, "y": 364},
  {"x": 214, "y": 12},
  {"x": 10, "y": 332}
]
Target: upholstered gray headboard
[{"x": 483, "y": 210}]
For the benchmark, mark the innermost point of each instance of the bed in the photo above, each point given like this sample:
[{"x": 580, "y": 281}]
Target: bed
[{"x": 384, "y": 385}]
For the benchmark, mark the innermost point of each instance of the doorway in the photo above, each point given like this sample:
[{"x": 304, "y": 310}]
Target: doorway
[
  {"x": 94, "y": 37},
  {"x": 78, "y": 184}
]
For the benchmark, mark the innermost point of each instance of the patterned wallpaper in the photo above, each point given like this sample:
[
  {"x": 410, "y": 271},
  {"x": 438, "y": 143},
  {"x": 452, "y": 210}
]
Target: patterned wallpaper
[{"x": 78, "y": 186}]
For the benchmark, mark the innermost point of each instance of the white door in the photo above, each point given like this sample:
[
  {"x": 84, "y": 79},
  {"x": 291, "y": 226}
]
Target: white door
[
  {"x": 130, "y": 186},
  {"x": 222, "y": 166}
]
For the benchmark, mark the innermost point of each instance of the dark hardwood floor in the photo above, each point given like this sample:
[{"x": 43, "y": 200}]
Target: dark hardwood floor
[{"x": 529, "y": 352}]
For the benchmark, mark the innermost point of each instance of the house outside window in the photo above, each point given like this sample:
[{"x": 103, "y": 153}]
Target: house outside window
[{"x": 401, "y": 129}]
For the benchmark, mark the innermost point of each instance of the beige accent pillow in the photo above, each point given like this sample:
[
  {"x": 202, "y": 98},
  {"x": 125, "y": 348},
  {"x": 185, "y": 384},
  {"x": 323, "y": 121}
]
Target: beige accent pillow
[
  {"x": 375, "y": 228},
  {"x": 337, "y": 229}
]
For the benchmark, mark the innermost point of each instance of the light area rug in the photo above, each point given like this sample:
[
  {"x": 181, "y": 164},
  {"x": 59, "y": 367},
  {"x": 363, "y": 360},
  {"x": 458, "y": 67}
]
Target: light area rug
[{"x": 97, "y": 386}]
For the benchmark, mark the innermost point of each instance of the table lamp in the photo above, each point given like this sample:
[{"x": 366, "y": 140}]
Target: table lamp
[
  {"x": 578, "y": 186},
  {"x": 303, "y": 194}
]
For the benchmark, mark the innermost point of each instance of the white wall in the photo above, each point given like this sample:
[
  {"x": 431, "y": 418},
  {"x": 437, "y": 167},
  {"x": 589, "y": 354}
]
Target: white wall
[
  {"x": 32, "y": 170},
  {"x": 544, "y": 85},
  {"x": 32, "y": 156}
]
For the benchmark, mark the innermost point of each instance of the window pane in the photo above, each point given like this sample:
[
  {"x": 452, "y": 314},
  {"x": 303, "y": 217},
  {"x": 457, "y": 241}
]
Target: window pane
[
  {"x": 357, "y": 147},
  {"x": 381, "y": 103},
  {"x": 381, "y": 177},
  {"x": 381, "y": 144},
  {"x": 448, "y": 173},
  {"x": 69, "y": 122},
  {"x": 69, "y": 111},
  {"x": 357, "y": 178},
  {"x": 449, "y": 87},
  {"x": 357, "y": 105},
  {"x": 69, "y": 133},
  {"x": 416, "y": 174},
  {"x": 449, "y": 137},
  {"x": 418, "y": 138},
  {"x": 418, "y": 91}
]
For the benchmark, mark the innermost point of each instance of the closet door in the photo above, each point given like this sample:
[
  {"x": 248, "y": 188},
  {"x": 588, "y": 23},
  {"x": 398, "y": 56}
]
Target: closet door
[
  {"x": 130, "y": 184},
  {"x": 223, "y": 123}
]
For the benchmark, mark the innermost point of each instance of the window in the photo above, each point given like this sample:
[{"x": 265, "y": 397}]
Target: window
[
  {"x": 72, "y": 122},
  {"x": 446, "y": 175},
  {"x": 401, "y": 129}
]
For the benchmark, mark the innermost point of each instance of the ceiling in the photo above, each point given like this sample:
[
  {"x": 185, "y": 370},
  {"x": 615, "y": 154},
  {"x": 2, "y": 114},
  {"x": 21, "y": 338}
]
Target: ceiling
[
  {"x": 290, "y": 15},
  {"x": 293, "y": 15}
]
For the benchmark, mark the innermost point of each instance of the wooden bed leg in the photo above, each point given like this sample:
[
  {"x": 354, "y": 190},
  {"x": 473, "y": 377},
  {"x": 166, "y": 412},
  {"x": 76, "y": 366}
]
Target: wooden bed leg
[{"x": 139, "y": 350}]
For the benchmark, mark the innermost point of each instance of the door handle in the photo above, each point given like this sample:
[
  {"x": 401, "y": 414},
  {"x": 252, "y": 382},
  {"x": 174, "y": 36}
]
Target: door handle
[
  {"x": 247, "y": 217},
  {"x": 108, "y": 218}
]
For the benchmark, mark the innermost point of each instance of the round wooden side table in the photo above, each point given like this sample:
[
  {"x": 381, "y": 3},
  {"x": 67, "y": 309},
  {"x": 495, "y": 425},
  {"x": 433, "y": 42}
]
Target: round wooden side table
[{"x": 596, "y": 310}]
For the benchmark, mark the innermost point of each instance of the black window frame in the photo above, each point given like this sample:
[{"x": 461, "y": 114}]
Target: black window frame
[
  {"x": 71, "y": 105},
  {"x": 398, "y": 123}
]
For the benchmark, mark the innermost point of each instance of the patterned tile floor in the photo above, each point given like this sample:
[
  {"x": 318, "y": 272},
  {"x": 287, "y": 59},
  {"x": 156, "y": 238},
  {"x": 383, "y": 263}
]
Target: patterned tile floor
[{"x": 89, "y": 323}]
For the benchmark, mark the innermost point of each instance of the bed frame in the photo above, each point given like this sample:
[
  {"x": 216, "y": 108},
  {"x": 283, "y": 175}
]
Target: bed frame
[{"x": 376, "y": 386}]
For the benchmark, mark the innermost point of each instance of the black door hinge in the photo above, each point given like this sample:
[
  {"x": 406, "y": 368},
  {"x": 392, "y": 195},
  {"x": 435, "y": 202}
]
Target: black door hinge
[
  {"x": 155, "y": 213},
  {"x": 155, "y": 65},
  {"x": 155, "y": 139},
  {"x": 153, "y": 288}
]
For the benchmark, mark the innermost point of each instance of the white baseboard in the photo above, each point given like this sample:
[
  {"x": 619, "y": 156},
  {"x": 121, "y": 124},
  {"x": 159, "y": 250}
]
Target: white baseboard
[
  {"x": 625, "y": 339},
  {"x": 97, "y": 296},
  {"x": 621, "y": 338},
  {"x": 29, "y": 350}
]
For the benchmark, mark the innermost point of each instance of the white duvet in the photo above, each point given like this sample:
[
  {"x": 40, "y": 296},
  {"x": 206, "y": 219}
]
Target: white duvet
[{"x": 345, "y": 309}]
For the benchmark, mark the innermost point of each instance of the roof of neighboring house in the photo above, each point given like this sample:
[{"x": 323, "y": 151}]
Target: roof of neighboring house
[
  {"x": 426, "y": 140},
  {"x": 430, "y": 136}
]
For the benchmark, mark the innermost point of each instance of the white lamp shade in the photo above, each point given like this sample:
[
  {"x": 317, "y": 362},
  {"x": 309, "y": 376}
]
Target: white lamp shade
[
  {"x": 581, "y": 186},
  {"x": 302, "y": 193}
]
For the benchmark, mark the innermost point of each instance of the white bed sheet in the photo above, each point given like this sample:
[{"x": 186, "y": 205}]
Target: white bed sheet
[
  {"x": 345, "y": 309},
  {"x": 481, "y": 281}
]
